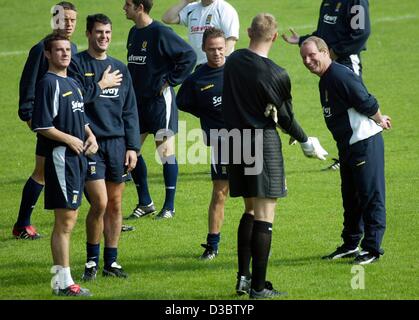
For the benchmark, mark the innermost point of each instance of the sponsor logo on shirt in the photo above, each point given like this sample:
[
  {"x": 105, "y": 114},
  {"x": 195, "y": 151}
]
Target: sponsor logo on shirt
[
  {"x": 209, "y": 18},
  {"x": 137, "y": 59},
  {"x": 77, "y": 106},
  {"x": 66, "y": 94},
  {"x": 330, "y": 19},
  {"x": 217, "y": 101},
  {"x": 199, "y": 29},
  {"x": 338, "y": 6},
  {"x": 110, "y": 93},
  {"x": 89, "y": 74}
]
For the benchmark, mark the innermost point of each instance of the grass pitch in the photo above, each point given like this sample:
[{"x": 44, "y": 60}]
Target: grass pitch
[{"x": 161, "y": 256}]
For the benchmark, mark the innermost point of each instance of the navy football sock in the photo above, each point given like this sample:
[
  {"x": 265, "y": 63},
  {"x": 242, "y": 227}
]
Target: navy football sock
[
  {"x": 93, "y": 252},
  {"x": 109, "y": 256},
  {"x": 213, "y": 239},
  {"x": 170, "y": 172},
  {"x": 139, "y": 174},
  {"x": 30, "y": 194}
]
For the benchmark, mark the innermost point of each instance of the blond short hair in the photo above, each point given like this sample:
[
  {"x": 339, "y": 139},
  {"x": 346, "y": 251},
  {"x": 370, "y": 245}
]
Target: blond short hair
[
  {"x": 263, "y": 27},
  {"x": 319, "y": 42}
]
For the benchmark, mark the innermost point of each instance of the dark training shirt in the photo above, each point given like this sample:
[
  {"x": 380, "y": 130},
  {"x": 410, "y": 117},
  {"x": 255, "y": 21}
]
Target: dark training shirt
[
  {"x": 35, "y": 68},
  {"x": 251, "y": 82},
  {"x": 201, "y": 95},
  {"x": 58, "y": 104},
  {"x": 112, "y": 112},
  {"x": 347, "y": 106},
  {"x": 156, "y": 54}
]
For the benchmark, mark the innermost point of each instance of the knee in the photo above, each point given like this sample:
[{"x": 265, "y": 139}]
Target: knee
[
  {"x": 114, "y": 207},
  {"x": 98, "y": 207},
  {"x": 220, "y": 196},
  {"x": 65, "y": 226}
]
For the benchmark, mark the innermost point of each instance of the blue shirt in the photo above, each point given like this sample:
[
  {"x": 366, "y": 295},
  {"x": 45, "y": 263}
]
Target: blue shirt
[
  {"x": 201, "y": 95},
  {"x": 347, "y": 106},
  {"x": 35, "y": 68},
  {"x": 112, "y": 112},
  {"x": 341, "y": 28},
  {"x": 156, "y": 54},
  {"x": 58, "y": 104}
]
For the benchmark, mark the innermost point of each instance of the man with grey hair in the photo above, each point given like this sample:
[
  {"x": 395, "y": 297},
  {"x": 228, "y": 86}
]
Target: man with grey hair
[
  {"x": 251, "y": 82},
  {"x": 345, "y": 27},
  {"x": 353, "y": 117}
]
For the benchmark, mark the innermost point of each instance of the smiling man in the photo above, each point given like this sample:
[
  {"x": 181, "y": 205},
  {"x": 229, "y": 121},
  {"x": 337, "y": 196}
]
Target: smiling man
[
  {"x": 113, "y": 116},
  {"x": 200, "y": 95},
  {"x": 353, "y": 117}
]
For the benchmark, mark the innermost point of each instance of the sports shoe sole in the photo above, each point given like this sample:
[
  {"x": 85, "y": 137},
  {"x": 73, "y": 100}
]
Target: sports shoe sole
[
  {"x": 349, "y": 254},
  {"x": 369, "y": 261}
]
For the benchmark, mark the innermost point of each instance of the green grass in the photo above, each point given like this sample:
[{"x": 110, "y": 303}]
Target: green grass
[{"x": 161, "y": 257}]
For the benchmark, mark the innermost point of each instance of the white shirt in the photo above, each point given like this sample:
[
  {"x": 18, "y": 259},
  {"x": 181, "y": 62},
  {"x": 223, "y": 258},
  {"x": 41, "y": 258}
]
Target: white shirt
[{"x": 198, "y": 18}]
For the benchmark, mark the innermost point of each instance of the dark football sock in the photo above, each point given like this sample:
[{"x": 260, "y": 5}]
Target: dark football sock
[
  {"x": 93, "y": 252},
  {"x": 213, "y": 239},
  {"x": 139, "y": 174},
  {"x": 109, "y": 256},
  {"x": 261, "y": 245},
  {"x": 170, "y": 173},
  {"x": 30, "y": 194},
  {"x": 244, "y": 238}
]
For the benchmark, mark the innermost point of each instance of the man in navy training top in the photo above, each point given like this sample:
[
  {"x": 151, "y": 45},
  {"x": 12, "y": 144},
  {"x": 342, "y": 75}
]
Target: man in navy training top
[
  {"x": 35, "y": 68},
  {"x": 158, "y": 60},
  {"x": 113, "y": 117},
  {"x": 353, "y": 117},
  {"x": 345, "y": 26},
  {"x": 58, "y": 117},
  {"x": 201, "y": 95}
]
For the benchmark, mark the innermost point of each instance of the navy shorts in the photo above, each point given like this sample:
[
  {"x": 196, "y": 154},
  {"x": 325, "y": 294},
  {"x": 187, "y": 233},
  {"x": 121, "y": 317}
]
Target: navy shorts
[
  {"x": 159, "y": 113},
  {"x": 109, "y": 162},
  {"x": 64, "y": 179},
  {"x": 265, "y": 177},
  {"x": 41, "y": 146}
]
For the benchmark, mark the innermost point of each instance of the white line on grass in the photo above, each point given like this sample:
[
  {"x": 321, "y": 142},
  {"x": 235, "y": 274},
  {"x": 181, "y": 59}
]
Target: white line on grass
[{"x": 301, "y": 27}]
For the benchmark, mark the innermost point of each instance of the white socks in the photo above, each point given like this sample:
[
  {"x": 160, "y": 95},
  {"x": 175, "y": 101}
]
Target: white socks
[{"x": 62, "y": 277}]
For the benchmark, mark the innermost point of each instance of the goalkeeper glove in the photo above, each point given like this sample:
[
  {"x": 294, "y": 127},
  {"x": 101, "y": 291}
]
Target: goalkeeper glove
[{"x": 313, "y": 149}]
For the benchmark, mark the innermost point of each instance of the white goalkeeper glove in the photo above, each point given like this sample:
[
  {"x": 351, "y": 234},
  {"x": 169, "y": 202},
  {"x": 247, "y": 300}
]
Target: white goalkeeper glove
[{"x": 313, "y": 149}]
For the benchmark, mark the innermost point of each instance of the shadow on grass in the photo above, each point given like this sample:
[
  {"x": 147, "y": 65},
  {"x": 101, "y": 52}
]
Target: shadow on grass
[{"x": 296, "y": 261}]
